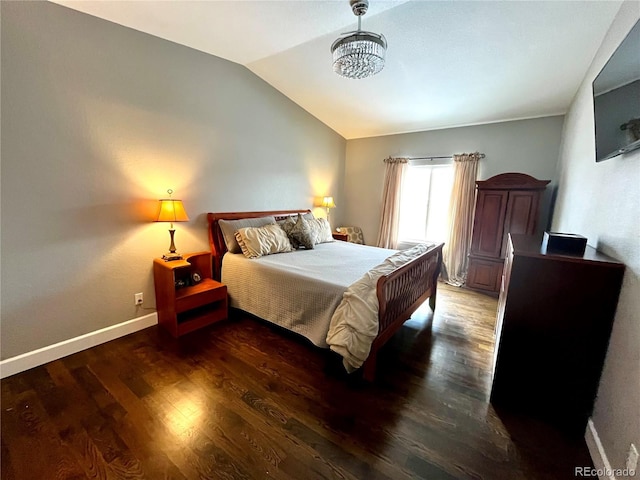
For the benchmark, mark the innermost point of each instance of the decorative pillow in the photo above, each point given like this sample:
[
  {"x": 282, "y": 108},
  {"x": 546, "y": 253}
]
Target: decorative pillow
[
  {"x": 321, "y": 230},
  {"x": 230, "y": 227},
  {"x": 287, "y": 225},
  {"x": 302, "y": 233},
  {"x": 258, "y": 241}
]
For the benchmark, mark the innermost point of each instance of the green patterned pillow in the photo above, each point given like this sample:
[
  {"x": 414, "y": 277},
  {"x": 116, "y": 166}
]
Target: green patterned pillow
[{"x": 302, "y": 233}]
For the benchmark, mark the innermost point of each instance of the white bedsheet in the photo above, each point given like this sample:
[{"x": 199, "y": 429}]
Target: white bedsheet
[{"x": 298, "y": 290}]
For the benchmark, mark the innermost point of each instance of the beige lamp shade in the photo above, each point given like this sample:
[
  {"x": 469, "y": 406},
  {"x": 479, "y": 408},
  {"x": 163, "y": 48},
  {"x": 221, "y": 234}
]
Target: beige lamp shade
[
  {"x": 327, "y": 202},
  {"x": 172, "y": 211}
]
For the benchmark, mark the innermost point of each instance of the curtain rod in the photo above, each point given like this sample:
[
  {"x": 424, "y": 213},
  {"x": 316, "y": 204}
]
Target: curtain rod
[
  {"x": 437, "y": 158},
  {"x": 480, "y": 155}
]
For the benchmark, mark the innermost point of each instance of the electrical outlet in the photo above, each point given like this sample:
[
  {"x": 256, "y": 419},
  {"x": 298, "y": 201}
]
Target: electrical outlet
[
  {"x": 632, "y": 458},
  {"x": 138, "y": 299}
]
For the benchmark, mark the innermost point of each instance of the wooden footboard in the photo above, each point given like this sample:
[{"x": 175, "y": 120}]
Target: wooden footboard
[{"x": 400, "y": 293}]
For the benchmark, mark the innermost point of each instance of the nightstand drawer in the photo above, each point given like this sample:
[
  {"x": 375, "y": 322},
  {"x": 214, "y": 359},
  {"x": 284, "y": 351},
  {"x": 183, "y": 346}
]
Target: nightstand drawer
[{"x": 201, "y": 294}]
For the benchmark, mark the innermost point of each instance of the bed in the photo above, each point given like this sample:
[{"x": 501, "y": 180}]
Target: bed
[{"x": 307, "y": 290}]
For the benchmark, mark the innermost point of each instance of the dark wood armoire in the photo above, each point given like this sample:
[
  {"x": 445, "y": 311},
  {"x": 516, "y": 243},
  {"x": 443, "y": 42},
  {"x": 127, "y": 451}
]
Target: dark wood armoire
[{"x": 506, "y": 203}]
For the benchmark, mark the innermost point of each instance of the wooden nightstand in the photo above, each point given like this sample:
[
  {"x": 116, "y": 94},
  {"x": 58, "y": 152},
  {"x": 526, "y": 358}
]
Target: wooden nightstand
[
  {"x": 187, "y": 298},
  {"x": 340, "y": 236}
]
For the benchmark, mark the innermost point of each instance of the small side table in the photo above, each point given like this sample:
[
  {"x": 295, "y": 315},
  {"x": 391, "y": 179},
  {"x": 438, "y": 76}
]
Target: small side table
[
  {"x": 187, "y": 298},
  {"x": 340, "y": 236}
]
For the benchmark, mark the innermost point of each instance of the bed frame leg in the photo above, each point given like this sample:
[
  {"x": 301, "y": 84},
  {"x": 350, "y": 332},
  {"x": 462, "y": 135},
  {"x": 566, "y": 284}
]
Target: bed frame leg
[
  {"x": 369, "y": 367},
  {"x": 432, "y": 300}
]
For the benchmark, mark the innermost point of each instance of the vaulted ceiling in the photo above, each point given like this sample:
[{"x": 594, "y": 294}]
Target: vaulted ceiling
[{"x": 449, "y": 63}]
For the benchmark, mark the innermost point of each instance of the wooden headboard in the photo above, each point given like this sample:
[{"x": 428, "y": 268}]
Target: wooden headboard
[{"x": 216, "y": 239}]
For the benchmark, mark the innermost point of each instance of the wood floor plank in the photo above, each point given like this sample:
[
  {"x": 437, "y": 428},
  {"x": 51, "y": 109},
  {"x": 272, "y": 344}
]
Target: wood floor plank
[
  {"x": 6, "y": 466},
  {"x": 271, "y": 417},
  {"x": 243, "y": 399},
  {"x": 35, "y": 448},
  {"x": 293, "y": 459},
  {"x": 317, "y": 416},
  {"x": 291, "y": 399}
]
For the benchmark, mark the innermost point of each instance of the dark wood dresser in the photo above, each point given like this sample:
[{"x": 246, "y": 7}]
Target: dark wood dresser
[
  {"x": 506, "y": 203},
  {"x": 555, "y": 315}
]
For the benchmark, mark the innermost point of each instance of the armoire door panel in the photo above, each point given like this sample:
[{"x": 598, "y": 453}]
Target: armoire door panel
[
  {"x": 489, "y": 223},
  {"x": 521, "y": 216},
  {"x": 484, "y": 274}
]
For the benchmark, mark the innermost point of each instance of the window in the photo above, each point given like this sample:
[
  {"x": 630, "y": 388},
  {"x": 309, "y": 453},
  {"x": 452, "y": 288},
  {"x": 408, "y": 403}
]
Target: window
[{"x": 424, "y": 202}]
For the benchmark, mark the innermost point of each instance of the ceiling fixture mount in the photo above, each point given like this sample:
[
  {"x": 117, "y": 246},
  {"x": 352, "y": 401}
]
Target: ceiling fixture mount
[{"x": 359, "y": 54}]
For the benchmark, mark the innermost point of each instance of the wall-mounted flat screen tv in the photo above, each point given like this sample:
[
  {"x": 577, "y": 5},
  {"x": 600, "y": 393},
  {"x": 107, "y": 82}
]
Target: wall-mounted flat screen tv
[{"x": 616, "y": 100}]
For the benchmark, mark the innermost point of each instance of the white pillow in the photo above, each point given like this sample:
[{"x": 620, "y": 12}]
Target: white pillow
[
  {"x": 230, "y": 227},
  {"x": 321, "y": 230},
  {"x": 258, "y": 241}
]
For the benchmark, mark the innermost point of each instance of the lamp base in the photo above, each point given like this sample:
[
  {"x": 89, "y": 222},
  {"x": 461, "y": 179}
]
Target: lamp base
[
  {"x": 172, "y": 255},
  {"x": 168, "y": 257}
]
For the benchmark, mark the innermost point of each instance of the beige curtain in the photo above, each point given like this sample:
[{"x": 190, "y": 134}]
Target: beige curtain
[
  {"x": 388, "y": 234},
  {"x": 461, "y": 207}
]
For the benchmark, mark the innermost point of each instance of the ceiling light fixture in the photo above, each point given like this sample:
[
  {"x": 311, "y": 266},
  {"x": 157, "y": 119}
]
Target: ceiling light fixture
[{"x": 359, "y": 54}]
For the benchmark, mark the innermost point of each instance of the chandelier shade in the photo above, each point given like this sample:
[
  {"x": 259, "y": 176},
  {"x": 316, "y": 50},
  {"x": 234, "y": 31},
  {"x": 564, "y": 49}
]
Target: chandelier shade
[{"x": 359, "y": 54}]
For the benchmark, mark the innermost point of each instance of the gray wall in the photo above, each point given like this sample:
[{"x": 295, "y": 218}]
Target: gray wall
[
  {"x": 602, "y": 202},
  {"x": 98, "y": 121},
  {"x": 526, "y": 146}
]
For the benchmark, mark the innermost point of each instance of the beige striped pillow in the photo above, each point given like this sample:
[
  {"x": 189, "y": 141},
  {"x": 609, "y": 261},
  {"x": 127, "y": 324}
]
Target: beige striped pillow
[{"x": 266, "y": 240}]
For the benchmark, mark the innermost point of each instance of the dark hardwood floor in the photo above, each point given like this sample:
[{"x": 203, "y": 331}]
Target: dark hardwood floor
[{"x": 243, "y": 399}]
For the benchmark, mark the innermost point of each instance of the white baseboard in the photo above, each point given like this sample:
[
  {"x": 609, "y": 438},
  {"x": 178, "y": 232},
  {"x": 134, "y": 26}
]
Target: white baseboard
[
  {"x": 597, "y": 452},
  {"x": 38, "y": 357}
]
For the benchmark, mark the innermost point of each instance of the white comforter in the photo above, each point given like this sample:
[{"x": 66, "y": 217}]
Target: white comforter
[
  {"x": 354, "y": 324},
  {"x": 298, "y": 290}
]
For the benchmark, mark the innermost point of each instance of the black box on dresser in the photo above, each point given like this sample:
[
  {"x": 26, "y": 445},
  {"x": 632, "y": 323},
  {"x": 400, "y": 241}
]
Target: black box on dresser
[{"x": 563, "y": 243}]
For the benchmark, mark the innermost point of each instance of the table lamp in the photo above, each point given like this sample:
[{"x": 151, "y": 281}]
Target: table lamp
[
  {"x": 172, "y": 210},
  {"x": 327, "y": 202}
]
